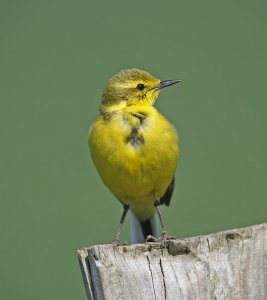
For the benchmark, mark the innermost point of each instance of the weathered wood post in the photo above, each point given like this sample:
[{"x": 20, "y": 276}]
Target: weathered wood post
[{"x": 224, "y": 265}]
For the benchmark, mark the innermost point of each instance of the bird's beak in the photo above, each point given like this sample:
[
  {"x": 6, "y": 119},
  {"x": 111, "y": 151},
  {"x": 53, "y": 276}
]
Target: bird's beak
[{"x": 165, "y": 83}]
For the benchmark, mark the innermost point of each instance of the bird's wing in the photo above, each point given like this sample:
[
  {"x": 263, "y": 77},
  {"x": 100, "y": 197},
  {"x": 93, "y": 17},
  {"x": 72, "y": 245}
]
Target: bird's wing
[{"x": 166, "y": 198}]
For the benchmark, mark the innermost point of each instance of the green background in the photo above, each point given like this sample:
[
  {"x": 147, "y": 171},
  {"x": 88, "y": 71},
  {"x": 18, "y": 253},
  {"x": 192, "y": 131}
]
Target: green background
[{"x": 56, "y": 57}]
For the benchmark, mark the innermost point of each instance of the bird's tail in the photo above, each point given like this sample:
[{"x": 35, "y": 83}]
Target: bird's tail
[{"x": 140, "y": 230}]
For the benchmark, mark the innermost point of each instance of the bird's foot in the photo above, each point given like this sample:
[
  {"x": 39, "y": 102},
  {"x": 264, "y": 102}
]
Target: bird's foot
[
  {"x": 166, "y": 237},
  {"x": 151, "y": 239},
  {"x": 117, "y": 242},
  {"x": 163, "y": 238}
]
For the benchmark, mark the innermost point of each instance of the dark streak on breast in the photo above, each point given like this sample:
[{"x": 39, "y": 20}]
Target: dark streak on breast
[
  {"x": 135, "y": 139},
  {"x": 141, "y": 116}
]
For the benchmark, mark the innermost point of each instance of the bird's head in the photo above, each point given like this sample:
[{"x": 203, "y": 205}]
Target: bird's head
[{"x": 132, "y": 87}]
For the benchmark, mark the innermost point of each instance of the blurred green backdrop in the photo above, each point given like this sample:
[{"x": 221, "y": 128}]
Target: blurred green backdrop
[{"x": 56, "y": 56}]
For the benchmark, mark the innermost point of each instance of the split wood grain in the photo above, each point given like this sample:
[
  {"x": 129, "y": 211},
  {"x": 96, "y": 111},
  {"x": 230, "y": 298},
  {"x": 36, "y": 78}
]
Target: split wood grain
[{"x": 224, "y": 265}]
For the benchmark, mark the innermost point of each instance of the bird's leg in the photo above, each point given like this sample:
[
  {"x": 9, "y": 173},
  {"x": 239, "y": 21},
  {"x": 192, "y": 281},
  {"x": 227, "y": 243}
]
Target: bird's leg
[
  {"x": 164, "y": 236},
  {"x": 157, "y": 204},
  {"x": 116, "y": 240}
]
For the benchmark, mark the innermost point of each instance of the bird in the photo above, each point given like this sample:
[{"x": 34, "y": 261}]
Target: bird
[{"x": 135, "y": 150}]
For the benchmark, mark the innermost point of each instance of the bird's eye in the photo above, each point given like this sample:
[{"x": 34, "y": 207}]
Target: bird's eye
[{"x": 140, "y": 86}]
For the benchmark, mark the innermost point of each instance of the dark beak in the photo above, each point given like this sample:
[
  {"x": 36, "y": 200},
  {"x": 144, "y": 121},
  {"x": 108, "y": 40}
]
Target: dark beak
[{"x": 165, "y": 83}]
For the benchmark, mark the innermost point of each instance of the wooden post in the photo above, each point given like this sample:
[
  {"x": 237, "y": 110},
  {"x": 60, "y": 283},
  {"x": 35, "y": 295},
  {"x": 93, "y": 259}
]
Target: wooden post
[{"x": 224, "y": 265}]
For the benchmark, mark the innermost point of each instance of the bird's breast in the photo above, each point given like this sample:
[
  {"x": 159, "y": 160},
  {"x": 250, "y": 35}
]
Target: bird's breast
[{"x": 135, "y": 155}]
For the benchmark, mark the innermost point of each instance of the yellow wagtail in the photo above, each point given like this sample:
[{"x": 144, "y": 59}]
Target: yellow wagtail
[{"x": 135, "y": 149}]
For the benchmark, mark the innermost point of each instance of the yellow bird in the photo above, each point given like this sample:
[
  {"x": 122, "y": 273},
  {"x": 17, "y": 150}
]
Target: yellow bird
[{"x": 135, "y": 149}]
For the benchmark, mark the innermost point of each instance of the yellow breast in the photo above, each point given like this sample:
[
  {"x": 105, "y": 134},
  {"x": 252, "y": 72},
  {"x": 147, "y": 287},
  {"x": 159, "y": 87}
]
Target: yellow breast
[{"x": 136, "y": 155}]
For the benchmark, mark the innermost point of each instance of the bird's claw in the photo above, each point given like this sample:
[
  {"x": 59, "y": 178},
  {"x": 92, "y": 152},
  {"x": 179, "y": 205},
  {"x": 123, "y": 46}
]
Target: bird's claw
[
  {"x": 165, "y": 237},
  {"x": 151, "y": 239},
  {"x": 117, "y": 242}
]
